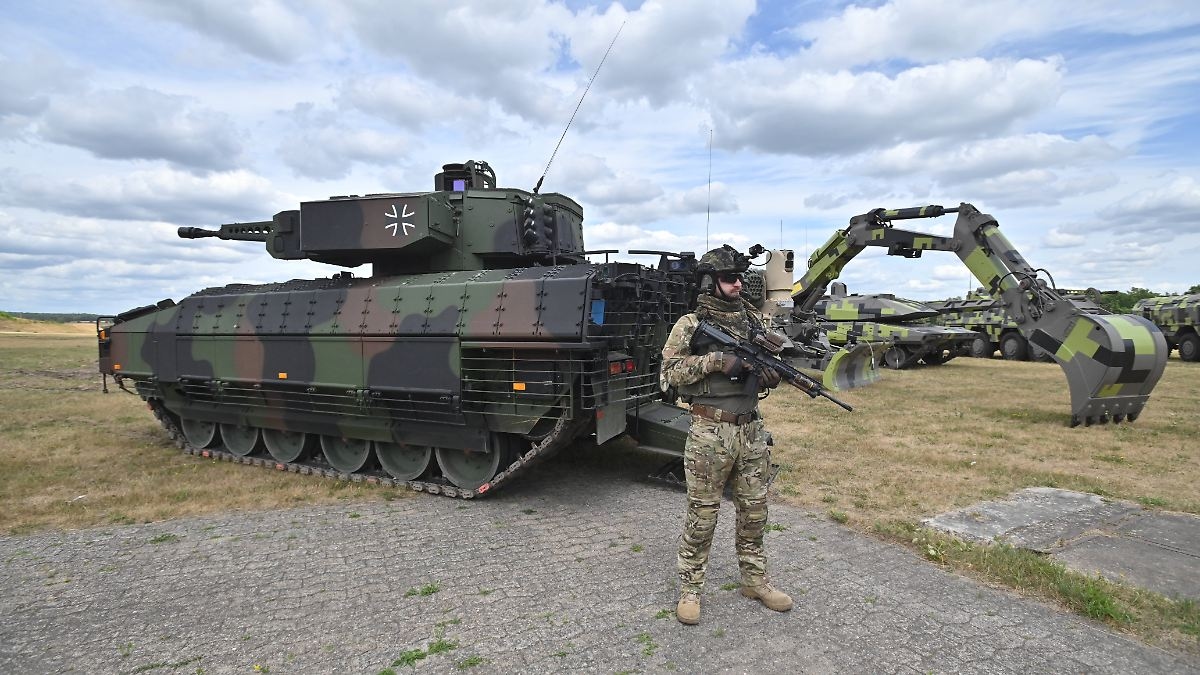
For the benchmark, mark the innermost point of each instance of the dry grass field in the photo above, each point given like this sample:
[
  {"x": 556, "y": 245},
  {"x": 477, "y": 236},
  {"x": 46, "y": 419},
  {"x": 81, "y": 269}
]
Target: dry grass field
[
  {"x": 919, "y": 442},
  {"x": 929, "y": 439},
  {"x": 13, "y": 324},
  {"x": 72, "y": 457}
]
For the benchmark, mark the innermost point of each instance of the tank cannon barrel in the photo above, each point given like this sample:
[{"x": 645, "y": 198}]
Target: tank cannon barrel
[{"x": 230, "y": 232}]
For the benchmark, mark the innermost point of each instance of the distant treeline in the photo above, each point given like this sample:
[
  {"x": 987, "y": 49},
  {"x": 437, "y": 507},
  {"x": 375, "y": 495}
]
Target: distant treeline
[
  {"x": 49, "y": 316},
  {"x": 1122, "y": 302}
]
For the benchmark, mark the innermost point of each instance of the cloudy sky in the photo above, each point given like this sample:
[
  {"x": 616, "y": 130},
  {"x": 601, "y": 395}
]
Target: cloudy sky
[{"x": 1077, "y": 125}]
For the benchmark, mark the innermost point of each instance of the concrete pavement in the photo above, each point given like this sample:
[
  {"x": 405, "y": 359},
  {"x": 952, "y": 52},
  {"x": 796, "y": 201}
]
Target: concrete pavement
[{"x": 568, "y": 569}]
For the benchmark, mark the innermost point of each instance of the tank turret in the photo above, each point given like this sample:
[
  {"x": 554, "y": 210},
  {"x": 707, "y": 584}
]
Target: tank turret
[{"x": 465, "y": 223}]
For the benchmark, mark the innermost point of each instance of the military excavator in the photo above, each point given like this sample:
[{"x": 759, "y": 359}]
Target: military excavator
[{"x": 1112, "y": 361}]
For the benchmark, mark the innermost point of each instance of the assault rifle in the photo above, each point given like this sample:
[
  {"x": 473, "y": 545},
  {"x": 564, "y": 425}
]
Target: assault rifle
[{"x": 759, "y": 351}]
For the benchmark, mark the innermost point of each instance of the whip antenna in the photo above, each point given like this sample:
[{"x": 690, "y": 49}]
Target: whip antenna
[
  {"x": 708, "y": 206},
  {"x": 585, "y": 92}
]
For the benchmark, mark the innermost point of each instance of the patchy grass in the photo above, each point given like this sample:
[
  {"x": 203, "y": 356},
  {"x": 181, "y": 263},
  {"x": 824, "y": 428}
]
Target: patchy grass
[
  {"x": 424, "y": 591},
  {"x": 932, "y": 439},
  {"x": 1174, "y": 623}
]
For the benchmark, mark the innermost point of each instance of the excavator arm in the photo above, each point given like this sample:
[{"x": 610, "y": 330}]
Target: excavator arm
[{"x": 1112, "y": 361}]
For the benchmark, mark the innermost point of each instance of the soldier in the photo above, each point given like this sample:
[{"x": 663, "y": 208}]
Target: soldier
[{"x": 727, "y": 440}]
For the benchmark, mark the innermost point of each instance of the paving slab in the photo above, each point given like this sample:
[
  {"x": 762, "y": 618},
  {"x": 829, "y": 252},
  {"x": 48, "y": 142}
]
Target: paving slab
[
  {"x": 570, "y": 569},
  {"x": 1115, "y": 539}
]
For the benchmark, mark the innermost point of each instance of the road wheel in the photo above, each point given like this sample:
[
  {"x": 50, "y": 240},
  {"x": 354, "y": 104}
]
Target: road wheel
[
  {"x": 346, "y": 454},
  {"x": 895, "y": 357},
  {"x": 200, "y": 434},
  {"x": 1189, "y": 347},
  {"x": 403, "y": 461},
  {"x": 469, "y": 469},
  {"x": 982, "y": 348},
  {"x": 288, "y": 446},
  {"x": 1014, "y": 347},
  {"x": 241, "y": 441}
]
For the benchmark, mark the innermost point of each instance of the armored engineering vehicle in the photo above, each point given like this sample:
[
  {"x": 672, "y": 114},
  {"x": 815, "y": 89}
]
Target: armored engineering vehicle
[
  {"x": 847, "y": 365},
  {"x": 986, "y": 316},
  {"x": 881, "y": 318},
  {"x": 1112, "y": 362},
  {"x": 1178, "y": 316},
  {"x": 482, "y": 340}
]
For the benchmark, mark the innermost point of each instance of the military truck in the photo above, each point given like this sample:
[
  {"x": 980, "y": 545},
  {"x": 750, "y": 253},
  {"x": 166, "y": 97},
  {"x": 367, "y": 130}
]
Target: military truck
[
  {"x": 481, "y": 341},
  {"x": 1178, "y": 316},
  {"x": 995, "y": 329},
  {"x": 1112, "y": 362}
]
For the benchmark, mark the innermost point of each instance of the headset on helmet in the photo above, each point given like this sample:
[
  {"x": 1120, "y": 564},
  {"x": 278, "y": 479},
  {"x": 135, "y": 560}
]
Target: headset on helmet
[{"x": 724, "y": 259}]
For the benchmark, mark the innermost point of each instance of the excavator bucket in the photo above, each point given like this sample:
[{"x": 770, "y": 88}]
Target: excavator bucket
[
  {"x": 855, "y": 365},
  {"x": 1112, "y": 363}
]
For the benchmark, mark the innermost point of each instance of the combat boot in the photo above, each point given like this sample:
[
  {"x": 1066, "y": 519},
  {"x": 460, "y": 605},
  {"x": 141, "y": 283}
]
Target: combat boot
[
  {"x": 688, "y": 609},
  {"x": 769, "y": 596}
]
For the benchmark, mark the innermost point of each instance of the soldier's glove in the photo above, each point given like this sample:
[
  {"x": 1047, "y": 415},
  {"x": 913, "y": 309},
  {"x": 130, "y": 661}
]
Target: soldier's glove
[
  {"x": 730, "y": 364},
  {"x": 770, "y": 378}
]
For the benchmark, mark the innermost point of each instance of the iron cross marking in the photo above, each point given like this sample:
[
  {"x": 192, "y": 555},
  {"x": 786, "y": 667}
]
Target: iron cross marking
[{"x": 394, "y": 227}]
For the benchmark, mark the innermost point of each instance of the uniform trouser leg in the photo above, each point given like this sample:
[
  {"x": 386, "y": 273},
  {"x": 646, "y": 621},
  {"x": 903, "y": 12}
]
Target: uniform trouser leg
[
  {"x": 707, "y": 463},
  {"x": 751, "y": 472}
]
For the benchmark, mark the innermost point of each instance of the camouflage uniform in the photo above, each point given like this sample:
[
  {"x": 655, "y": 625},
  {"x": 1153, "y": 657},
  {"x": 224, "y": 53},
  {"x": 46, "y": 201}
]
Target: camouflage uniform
[{"x": 714, "y": 453}]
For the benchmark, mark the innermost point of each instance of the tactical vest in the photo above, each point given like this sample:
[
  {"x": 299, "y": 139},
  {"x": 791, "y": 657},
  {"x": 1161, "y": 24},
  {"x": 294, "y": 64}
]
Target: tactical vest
[{"x": 717, "y": 390}]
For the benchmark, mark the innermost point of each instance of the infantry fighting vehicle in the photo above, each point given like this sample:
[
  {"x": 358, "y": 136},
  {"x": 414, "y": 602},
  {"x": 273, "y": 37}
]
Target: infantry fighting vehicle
[
  {"x": 1178, "y": 316},
  {"x": 481, "y": 340},
  {"x": 882, "y": 318},
  {"x": 1112, "y": 362},
  {"x": 986, "y": 316}
]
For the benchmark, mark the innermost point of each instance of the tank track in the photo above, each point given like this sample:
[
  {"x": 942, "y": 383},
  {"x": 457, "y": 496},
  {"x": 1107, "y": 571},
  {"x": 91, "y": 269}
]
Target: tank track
[{"x": 563, "y": 434}]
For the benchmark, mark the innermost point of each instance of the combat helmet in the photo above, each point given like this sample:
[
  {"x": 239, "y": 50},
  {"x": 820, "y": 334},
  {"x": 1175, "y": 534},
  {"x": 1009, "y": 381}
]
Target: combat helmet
[{"x": 724, "y": 259}]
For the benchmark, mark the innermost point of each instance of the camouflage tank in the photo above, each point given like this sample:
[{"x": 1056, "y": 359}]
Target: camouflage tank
[
  {"x": 881, "y": 318},
  {"x": 997, "y": 330},
  {"x": 482, "y": 340},
  {"x": 1178, "y": 317}
]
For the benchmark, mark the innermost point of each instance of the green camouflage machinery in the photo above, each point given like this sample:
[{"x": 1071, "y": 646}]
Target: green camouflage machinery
[
  {"x": 881, "y": 318},
  {"x": 482, "y": 341},
  {"x": 847, "y": 366},
  {"x": 1178, "y": 316},
  {"x": 985, "y": 315},
  {"x": 1112, "y": 362}
]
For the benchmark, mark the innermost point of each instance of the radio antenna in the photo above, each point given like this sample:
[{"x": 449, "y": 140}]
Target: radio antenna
[
  {"x": 708, "y": 205},
  {"x": 585, "y": 92}
]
